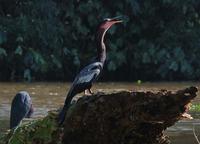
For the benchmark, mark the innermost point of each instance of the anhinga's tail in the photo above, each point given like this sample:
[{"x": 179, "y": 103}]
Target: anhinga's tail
[{"x": 62, "y": 114}]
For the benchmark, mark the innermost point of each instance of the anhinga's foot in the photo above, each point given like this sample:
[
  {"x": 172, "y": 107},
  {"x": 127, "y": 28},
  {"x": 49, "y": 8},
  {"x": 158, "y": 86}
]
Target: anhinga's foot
[{"x": 88, "y": 92}]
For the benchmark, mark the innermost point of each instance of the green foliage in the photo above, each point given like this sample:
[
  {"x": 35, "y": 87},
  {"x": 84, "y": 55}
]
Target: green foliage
[
  {"x": 2, "y": 37},
  {"x": 3, "y": 52},
  {"x": 195, "y": 108},
  {"x": 43, "y": 131},
  {"x": 51, "y": 40}
]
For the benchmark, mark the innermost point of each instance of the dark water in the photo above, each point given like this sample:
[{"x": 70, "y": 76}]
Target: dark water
[{"x": 49, "y": 96}]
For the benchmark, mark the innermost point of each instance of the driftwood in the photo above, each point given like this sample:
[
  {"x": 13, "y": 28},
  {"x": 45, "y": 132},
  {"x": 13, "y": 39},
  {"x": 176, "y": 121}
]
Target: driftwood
[{"x": 123, "y": 117}]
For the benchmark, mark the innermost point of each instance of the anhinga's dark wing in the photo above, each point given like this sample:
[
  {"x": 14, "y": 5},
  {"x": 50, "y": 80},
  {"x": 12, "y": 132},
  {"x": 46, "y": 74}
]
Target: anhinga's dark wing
[
  {"x": 92, "y": 66},
  {"x": 20, "y": 108},
  {"x": 81, "y": 82},
  {"x": 88, "y": 74}
]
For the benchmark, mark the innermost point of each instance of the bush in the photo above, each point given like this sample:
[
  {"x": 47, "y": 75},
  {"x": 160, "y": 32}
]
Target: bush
[{"x": 52, "y": 40}]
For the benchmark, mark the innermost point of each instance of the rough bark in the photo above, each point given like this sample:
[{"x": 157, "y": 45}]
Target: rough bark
[
  {"x": 123, "y": 117},
  {"x": 126, "y": 117}
]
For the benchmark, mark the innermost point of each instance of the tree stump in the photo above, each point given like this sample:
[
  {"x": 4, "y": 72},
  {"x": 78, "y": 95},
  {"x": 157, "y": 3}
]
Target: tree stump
[
  {"x": 126, "y": 117},
  {"x": 122, "y": 117}
]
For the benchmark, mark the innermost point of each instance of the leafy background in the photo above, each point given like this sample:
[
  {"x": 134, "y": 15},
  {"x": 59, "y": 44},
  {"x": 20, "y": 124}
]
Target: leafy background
[{"x": 52, "y": 39}]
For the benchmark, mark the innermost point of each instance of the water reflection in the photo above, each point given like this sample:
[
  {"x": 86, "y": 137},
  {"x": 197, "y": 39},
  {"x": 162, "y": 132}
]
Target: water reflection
[{"x": 49, "y": 96}]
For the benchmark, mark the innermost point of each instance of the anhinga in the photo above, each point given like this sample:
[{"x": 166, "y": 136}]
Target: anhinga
[
  {"x": 89, "y": 74},
  {"x": 21, "y": 108}
]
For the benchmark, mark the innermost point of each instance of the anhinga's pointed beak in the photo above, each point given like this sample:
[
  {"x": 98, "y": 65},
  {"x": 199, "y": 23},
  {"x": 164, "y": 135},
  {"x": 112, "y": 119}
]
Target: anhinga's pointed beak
[{"x": 116, "y": 19}]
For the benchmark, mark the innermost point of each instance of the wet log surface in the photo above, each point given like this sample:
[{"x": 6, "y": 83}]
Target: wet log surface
[{"x": 122, "y": 117}]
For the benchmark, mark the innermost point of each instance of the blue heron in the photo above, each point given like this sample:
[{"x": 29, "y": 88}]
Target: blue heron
[{"x": 21, "y": 108}]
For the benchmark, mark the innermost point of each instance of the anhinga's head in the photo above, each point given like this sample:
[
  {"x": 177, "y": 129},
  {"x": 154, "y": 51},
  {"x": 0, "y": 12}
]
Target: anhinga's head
[{"x": 108, "y": 22}]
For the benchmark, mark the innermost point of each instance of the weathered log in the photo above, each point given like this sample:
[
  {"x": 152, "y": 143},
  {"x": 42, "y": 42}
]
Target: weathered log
[
  {"x": 126, "y": 117},
  {"x": 110, "y": 118}
]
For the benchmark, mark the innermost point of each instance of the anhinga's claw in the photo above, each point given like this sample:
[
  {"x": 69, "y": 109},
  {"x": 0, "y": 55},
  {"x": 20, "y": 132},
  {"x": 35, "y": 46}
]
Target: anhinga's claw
[{"x": 88, "y": 92}]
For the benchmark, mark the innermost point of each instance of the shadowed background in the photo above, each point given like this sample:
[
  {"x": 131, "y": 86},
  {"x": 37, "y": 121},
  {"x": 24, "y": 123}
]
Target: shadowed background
[{"x": 50, "y": 40}]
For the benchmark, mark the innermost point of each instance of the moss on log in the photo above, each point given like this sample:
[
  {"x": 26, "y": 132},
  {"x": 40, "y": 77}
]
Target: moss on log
[
  {"x": 119, "y": 117},
  {"x": 41, "y": 131}
]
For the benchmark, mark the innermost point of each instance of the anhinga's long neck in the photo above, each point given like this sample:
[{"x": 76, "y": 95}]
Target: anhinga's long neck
[{"x": 101, "y": 48}]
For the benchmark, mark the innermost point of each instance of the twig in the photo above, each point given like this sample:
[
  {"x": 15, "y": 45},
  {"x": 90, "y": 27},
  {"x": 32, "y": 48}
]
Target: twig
[{"x": 195, "y": 134}]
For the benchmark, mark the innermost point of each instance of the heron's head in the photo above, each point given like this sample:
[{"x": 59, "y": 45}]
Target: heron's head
[{"x": 108, "y": 22}]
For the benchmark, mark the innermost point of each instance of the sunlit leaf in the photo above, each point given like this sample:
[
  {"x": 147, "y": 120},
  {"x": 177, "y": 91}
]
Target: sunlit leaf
[
  {"x": 174, "y": 66},
  {"x": 3, "y": 52},
  {"x": 19, "y": 50},
  {"x": 19, "y": 39},
  {"x": 27, "y": 75}
]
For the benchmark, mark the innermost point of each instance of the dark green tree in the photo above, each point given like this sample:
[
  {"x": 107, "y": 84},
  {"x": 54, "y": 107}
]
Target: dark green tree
[{"x": 52, "y": 39}]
